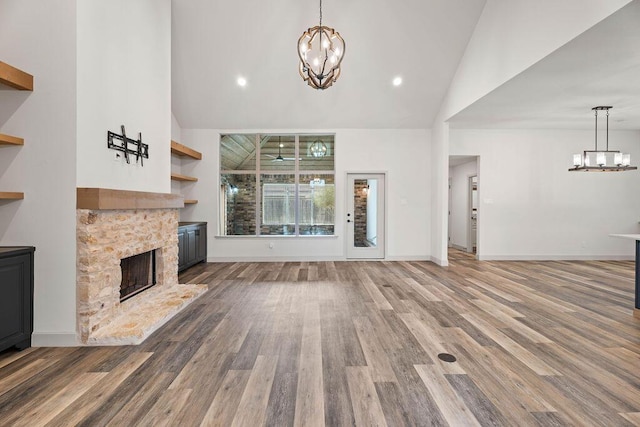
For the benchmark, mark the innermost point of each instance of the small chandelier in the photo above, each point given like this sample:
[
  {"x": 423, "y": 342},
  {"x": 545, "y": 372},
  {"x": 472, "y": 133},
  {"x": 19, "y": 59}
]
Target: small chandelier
[
  {"x": 317, "y": 149},
  {"x": 599, "y": 160},
  {"x": 320, "y": 50}
]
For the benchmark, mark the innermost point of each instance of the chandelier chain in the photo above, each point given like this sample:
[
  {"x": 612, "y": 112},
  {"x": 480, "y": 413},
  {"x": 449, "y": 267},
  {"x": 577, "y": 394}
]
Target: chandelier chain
[{"x": 320, "y": 13}]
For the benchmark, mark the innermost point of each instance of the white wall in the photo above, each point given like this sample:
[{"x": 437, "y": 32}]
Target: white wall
[
  {"x": 176, "y": 129},
  {"x": 40, "y": 38},
  {"x": 176, "y": 161},
  {"x": 439, "y": 192},
  {"x": 402, "y": 154},
  {"x": 460, "y": 203},
  {"x": 124, "y": 78},
  {"x": 531, "y": 207}
]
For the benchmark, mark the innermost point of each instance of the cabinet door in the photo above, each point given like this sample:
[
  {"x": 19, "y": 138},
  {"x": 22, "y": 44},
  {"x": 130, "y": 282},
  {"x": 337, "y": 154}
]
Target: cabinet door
[
  {"x": 15, "y": 300},
  {"x": 201, "y": 245},
  {"x": 191, "y": 245},
  {"x": 182, "y": 248}
]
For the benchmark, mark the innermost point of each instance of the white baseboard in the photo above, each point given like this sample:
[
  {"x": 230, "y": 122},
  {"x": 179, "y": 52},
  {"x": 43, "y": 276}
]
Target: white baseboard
[
  {"x": 438, "y": 261},
  {"x": 409, "y": 258},
  {"x": 458, "y": 247},
  {"x": 312, "y": 259},
  {"x": 54, "y": 339},
  {"x": 274, "y": 259},
  {"x": 484, "y": 257}
]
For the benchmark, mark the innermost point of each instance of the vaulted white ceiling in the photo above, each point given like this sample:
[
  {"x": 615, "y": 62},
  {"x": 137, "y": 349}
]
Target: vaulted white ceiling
[
  {"x": 599, "y": 67},
  {"x": 214, "y": 42}
]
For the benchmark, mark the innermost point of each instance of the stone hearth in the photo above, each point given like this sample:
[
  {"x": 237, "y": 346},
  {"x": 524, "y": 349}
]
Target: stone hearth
[{"x": 104, "y": 237}]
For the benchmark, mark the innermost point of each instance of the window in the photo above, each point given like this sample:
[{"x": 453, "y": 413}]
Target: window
[
  {"x": 278, "y": 205},
  {"x": 278, "y": 201},
  {"x": 316, "y": 204},
  {"x": 238, "y": 203},
  {"x": 277, "y": 184}
]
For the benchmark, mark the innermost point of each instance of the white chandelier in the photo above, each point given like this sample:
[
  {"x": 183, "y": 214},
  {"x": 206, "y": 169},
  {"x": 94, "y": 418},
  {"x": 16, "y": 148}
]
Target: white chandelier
[
  {"x": 602, "y": 160},
  {"x": 321, "y": 50}
]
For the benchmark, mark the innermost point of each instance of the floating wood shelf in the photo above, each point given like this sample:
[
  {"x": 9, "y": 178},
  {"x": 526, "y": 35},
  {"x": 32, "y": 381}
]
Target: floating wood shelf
[
  {"x": 20, "y": 80},
  {"x": 182, "y": 150},
  {"x": 105, "y": 198},
  {"x": 10, "y": 140},
  {"x": 15, "y": 78},
  {"x": 178, "y": 177},
  {"x": 8, "y": 195}
]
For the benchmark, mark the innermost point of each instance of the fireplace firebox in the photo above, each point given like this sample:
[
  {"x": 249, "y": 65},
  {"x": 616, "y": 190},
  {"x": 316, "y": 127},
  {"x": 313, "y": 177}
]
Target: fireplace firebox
[{"x": 138, "y": 274}]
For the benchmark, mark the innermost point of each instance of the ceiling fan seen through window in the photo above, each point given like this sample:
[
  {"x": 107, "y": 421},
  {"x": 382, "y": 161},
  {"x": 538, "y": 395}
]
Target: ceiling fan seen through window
[{"x": 279, "y": 157}]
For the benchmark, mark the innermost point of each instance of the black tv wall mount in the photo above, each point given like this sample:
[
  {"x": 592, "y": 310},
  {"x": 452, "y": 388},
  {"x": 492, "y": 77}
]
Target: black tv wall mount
[{"x": 130, "y": 147}]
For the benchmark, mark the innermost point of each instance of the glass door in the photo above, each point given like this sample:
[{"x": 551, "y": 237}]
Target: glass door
[{"x": 365, "y": 216}]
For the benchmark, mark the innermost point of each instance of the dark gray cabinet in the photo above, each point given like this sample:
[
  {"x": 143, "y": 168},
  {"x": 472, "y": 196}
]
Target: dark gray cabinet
[
  {"x": 192, "y": 244},
  {"x": 16, "y": 297}
]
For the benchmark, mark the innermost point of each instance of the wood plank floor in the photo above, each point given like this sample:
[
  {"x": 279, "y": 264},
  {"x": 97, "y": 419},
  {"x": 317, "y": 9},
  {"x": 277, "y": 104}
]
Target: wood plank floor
[{"x": 357, "y": 343}]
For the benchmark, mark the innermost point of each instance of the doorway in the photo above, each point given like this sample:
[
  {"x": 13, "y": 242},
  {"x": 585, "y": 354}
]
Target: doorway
[
  {"x": 365, "y": 216},
  {"x": 464, "y": 204}
]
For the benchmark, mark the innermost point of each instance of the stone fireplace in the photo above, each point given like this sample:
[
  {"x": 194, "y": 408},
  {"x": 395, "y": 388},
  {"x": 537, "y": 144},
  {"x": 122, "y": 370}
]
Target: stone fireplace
[{"x": 113, "y": 225}]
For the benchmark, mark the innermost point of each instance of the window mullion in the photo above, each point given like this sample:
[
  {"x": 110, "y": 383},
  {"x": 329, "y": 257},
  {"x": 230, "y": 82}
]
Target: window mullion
[
  {"x": 297, "y": 183},
  {"x": 259, "y": 206}
]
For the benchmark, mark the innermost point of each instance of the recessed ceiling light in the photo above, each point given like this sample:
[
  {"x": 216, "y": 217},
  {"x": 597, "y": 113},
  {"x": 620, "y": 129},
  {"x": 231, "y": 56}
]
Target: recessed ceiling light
[
  {"x": 242, "y": 82},
  {"x": 397, "y": 81}
]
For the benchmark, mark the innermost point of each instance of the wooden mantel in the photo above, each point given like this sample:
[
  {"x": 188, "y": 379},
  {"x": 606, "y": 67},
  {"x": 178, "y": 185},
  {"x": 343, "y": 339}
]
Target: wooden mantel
[{"x": 105, "y": 198}]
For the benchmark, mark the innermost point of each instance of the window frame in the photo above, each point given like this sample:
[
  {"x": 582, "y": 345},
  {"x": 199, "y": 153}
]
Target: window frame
[{"x": 258, "y": 172}]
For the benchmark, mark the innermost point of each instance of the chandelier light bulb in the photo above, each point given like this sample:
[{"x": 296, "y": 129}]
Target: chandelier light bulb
[
  {"x": 617, "y": 159},
  {"x": 577, "y": 160},
  {"x": 601, "y": 158}
]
